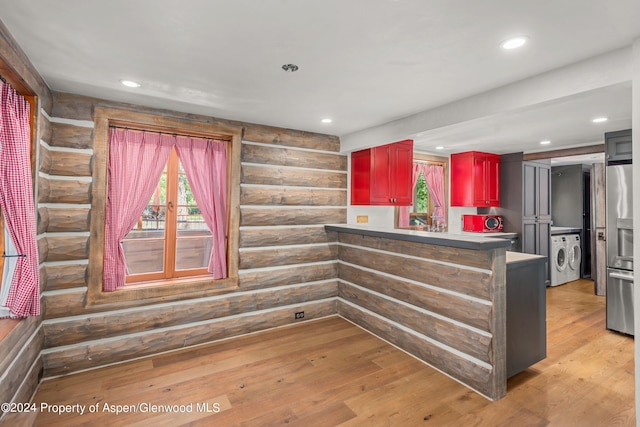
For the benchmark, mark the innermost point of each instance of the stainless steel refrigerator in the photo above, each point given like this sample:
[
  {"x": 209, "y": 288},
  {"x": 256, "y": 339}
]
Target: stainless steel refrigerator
[{"x": 619, "y": 235}]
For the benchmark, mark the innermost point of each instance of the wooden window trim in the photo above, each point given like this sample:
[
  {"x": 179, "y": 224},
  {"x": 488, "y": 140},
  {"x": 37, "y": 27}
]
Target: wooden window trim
[{"x": 191, "y": 287}]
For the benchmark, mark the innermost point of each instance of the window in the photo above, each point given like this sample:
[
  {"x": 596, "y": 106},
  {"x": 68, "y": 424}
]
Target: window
[
  {"x": 166, "y": 241},
  {"x": 420, "y": 214},
  {"x": 429, "y": 209},
  {"x": 170, "y": 239}
]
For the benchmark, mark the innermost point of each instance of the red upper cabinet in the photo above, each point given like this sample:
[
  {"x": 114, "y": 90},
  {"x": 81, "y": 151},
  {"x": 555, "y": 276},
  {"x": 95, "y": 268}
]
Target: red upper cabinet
[
  {"x": 475, "y": 179},
  {"x": 383, "y": 175}
]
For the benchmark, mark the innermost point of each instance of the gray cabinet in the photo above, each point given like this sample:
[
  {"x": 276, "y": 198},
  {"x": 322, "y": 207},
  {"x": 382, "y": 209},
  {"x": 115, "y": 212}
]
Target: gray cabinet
[
  {"x": 526, "y": 312},
  {"x": 525, "y": 194},
  {"x": 536, "y": 208}
]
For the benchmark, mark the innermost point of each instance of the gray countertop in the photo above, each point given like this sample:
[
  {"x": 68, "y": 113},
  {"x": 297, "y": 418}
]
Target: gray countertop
[
  {"x": 463, "y": 241},
  {"x": 514, "y": 257},
  {"x": 502, "y": 235}
]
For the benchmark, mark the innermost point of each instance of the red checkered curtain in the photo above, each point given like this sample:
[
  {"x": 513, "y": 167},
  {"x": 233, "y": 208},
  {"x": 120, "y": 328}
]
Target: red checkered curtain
[
  {"x": 205, "y": 164},
  {"x": 16, "y": 201},
  {"x": 136, "y": 161}
]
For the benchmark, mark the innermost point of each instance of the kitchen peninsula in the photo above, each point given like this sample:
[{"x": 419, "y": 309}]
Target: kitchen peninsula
[{"x": 441, "y": 297}]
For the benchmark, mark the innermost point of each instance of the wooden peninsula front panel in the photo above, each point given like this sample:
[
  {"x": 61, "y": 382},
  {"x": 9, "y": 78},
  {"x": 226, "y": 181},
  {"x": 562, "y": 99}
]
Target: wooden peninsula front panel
[{"x": 438, "y": 297}]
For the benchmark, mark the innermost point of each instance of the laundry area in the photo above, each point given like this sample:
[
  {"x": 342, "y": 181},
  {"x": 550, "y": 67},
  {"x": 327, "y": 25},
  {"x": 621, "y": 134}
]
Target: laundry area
[
  {"x": 566, "y": 249},
  {"x": 571, "y": 229}
]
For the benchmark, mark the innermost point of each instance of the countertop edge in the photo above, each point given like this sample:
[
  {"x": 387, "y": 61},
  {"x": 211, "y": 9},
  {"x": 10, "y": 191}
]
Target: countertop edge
[
  {"x": 523, "y": 258},
  {"x": 459, "y": 241}
]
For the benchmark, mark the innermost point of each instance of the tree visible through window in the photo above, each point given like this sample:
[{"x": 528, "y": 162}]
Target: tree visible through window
[
  {"x": 420, "y": 214},
  {"x": 171, "y": 238}
]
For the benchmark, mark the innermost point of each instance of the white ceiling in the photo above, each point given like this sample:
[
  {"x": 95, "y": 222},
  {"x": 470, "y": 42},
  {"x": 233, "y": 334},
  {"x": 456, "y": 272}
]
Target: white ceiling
[{"x": 362, "y": 63}]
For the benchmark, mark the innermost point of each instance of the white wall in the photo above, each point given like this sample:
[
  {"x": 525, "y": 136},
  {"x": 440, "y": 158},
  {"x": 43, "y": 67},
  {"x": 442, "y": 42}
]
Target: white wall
[{"x": 635, "y": 125}]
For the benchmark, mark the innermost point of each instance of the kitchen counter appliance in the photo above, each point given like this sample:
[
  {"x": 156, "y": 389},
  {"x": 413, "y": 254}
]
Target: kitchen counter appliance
[{"x": 482, "y": 223}]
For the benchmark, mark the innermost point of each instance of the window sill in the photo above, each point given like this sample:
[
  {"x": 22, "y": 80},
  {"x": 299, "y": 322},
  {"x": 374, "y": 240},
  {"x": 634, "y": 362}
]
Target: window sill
[{"x": 163, "y": 290}]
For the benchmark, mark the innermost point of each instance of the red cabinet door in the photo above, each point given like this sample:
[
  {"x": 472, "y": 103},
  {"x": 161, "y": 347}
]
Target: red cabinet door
[
  {"x": 381, "y": 175},
  {"x": 402, "y": 163},
  {"x": 492, "y": 194},
  {"x": 360, "y": 177}
]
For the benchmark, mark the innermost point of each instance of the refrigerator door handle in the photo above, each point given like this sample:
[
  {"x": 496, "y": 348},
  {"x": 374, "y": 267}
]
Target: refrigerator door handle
[{"x": 625, "y": 277}]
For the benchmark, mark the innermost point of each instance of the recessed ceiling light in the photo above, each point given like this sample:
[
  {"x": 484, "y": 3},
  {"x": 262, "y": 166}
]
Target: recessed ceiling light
[
  {"x": 439, "y": 147},
  {"x": 514, "y": 43},
  {"x": 130, "y": 83},
  {"x": 600, "y": 120},
  {"x": 326, "y": 120},
  {"x": 290, "y": 68},
  {"x": 545, "y": 142}
]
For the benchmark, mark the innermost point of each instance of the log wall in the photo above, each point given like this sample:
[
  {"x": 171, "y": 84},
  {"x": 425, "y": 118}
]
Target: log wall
[
  {"x": 444, "y": 305},
  {"x": 292, "y": 183}
]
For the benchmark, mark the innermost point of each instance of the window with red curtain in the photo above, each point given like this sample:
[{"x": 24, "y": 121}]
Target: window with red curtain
[
  {"x": 20, "y": 289},
  {"x": 166, "y": 212}
]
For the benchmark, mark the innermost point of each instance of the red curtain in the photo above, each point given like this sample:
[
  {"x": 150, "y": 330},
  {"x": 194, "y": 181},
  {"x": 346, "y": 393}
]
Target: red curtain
[
  {"x": 136, "y": 161},
  {"x": 16, "y": 201},
  {"x": 205, "y": 164}
]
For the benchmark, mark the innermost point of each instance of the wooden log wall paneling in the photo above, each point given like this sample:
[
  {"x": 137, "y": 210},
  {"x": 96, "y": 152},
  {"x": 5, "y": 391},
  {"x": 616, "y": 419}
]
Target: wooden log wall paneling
[
  {"x": 453, "y": 277},
  {"x": 65, "y": 163},
  {"x": 443, "y": 305},
  {"x": 467, "y": 311},
  {"x": 61, "y": 360},
  {"x": 57, "y": 276},
  {"x": 291, "y": 216},
  {"x": 286, "y": 255},
  {"x": 269, "y": 175},
  {"x": 68, "y": 191},
  {"x": 63, "y": 247},
  {"x": 288, "y": 275},
  {"x": 472, "y": 374},
  {"x": 282, "y": 196},
  {"x": 268, "y": 155},
  {"x": 285, "y": 235},
  {"x": 71, "y": 136},
  {"x": 51, "y": 220},
  {"x": 67, "y": 331},
  {"x": 292, "y": 183}
]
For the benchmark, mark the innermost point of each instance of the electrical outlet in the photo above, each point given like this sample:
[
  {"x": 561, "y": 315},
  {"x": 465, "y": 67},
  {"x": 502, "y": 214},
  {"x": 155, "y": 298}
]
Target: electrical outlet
[
  {"x": 362, "y": 219},
  {"x": 299, "y": 315}
]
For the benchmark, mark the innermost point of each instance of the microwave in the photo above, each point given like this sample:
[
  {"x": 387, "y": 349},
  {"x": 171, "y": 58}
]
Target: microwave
[{"x": 482, "y": 223}]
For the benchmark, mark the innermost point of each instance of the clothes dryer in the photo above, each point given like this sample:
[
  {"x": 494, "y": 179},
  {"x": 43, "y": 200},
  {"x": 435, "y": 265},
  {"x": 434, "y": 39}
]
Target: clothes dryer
[
  {"x": 574, "y": 254},
  {"x": 559, "y": 260}
]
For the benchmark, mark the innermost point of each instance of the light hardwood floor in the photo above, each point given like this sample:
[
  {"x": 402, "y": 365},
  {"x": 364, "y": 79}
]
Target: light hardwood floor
[{"x": 329, "y": 372}]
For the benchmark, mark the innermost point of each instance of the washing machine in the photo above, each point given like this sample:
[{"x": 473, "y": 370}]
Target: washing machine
[
  {"x": 559, "y": 260},
  {"x": 574, "y": 254}
]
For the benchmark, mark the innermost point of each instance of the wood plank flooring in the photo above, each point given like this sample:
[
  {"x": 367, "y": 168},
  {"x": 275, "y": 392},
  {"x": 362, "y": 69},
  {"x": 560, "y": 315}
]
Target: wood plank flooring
[{"x": 329, "y": 372}]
